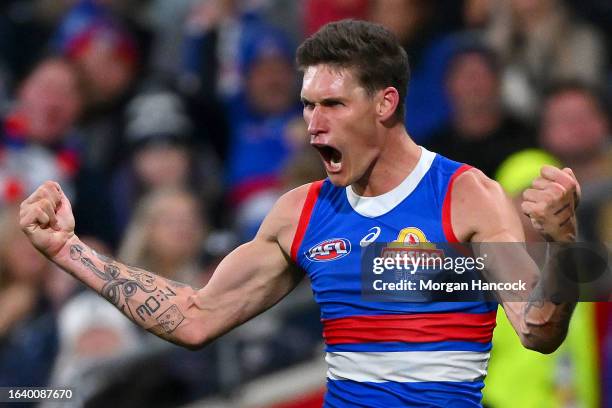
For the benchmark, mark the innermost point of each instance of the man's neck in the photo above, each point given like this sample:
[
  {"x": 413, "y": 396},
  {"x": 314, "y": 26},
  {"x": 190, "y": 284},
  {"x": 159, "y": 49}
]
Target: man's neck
[{"x": 396, "y": 161}]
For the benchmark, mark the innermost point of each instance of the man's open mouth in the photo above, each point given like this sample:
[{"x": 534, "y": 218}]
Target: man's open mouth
[{"x": 332, "y": 157}]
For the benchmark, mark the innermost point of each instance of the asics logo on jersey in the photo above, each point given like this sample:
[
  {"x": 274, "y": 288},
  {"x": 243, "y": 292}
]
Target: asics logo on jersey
[
  {"x": 374, "y": 232},
  {"x": 329, "y": 250}
]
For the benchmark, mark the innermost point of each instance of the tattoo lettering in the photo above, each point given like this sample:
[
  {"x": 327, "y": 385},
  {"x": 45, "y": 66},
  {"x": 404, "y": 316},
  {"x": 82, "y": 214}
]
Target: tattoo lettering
[
  {"x": 167, "y": 294},
  {"x": 150, "y": 306},
  {"x": 170, "y": 319}
]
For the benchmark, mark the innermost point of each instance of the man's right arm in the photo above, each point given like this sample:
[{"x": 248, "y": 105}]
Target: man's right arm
[{"x": 251, "y": 279}]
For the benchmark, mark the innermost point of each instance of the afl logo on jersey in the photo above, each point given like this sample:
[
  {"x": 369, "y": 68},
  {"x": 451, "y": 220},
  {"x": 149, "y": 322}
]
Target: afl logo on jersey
[{"x": 329, "y": 250}]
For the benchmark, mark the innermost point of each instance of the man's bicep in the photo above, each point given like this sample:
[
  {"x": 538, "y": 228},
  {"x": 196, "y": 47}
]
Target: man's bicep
[
  {"x": 251, "y": 279},
  {"x": 256, "y": 275}
]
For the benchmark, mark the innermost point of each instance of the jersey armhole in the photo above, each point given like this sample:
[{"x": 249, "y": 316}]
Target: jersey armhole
[
  {"x": 447, "y": 225},
  {"x": 311, "y": 199}
]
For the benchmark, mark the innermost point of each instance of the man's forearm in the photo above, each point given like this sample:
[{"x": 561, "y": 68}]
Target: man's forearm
[
  {"x": 547, "y": 314},
  {"x": 545, "y": 324},
  {"x": 161, "y": 306}
]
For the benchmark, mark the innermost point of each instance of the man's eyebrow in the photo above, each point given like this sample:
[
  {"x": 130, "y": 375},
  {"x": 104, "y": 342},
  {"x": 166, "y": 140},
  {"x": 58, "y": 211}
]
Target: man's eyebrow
[
  {"x": 331, "y": 100},
  {"x": 323, "y": 101}
]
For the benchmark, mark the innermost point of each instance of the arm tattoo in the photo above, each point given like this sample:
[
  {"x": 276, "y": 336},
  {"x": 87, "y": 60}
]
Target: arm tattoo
[
  {"x": 118, "y": 290},
  {"x": 168, "y": 321},
  {"x": 145, "y": 278}
]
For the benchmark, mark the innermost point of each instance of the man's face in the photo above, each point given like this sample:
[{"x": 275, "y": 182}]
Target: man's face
[
  {"x": 471, "y": 83},
  {"x": 271, "y": 85},
  {"x": 341, "y": 119},
  {"x": 51, "y": 101},
  {"x": 572, "y": 125},
  {"x": 107, "y": 76}
]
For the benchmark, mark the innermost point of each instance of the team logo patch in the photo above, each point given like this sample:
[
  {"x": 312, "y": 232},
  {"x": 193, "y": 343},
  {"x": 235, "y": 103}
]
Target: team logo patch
[
  {"x": 411, "y": 236},
  {"x": 413, "y": 243},
  {"x": 329, "y": 250}
]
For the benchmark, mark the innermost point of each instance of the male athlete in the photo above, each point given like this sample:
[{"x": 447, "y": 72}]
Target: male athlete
[{"x": 380, "y": 185}]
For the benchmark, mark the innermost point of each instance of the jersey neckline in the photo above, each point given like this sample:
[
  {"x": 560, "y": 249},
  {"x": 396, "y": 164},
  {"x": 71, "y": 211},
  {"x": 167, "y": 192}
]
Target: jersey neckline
[{"x": 379, "y": 205}]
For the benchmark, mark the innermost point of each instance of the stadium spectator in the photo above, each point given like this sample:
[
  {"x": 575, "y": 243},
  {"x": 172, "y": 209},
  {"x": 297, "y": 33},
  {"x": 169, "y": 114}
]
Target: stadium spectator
[
  {"x": 161, "y": 153},
  {"x": 167, "y": 233},
  {"x": 93, "y": 339},
  {"x": 106, "y": 52},
  {"x": 28, "y": 334},
  {"x": 418, "y": 26},
  {"x": 37, "y": 140},
  {"x": 480, "y": 132},
  {"x": 263, "y": 116},
  {"x": 541, "y": 42},
  {"x": 575, "y": 126}
]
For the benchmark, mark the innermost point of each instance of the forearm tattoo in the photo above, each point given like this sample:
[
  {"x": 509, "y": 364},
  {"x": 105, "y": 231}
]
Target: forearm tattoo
[
  {"x": 547, "y": 322},
  {"x": 121, "y": 290}
]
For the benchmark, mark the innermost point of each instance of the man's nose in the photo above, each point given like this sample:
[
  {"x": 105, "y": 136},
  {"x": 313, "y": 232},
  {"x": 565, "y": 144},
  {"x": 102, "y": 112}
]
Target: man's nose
[{"x": 316, "y": 125}]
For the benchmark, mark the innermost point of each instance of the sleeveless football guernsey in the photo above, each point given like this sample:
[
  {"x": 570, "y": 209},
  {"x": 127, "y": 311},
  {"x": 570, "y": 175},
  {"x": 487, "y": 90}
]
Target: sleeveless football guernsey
[{"x": 391, "y": 354}]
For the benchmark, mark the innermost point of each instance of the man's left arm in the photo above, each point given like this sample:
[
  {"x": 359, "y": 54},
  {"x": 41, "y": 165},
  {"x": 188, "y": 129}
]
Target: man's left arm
[{"x": 481, "y": 212}]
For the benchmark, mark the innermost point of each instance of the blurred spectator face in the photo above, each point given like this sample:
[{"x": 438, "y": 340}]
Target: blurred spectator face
[
  {"x": 573, "y": 125},
  {"x": 471, "y": 83},
  {"x": 271, "y": 85},
  {"x": 476, "y": 12},
  {"x": 50, "y": 100},
  {"x": 20, "y": 260},
  {"x": 403, "y": 17},
  {"x": 177, "y": 228},
  {"x": 107, "y": 75},
  {"x": 525, "y": 8},
  {"x": 23, "y": 262},
  {"x": 162, "y": 165}
]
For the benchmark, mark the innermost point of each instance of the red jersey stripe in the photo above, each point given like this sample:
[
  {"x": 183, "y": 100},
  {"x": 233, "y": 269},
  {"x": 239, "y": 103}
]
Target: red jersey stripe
[
  {"x": 311, "y": 199},
  {"x": 447, "y": 226},
  {"x": 413, "y": 328}
]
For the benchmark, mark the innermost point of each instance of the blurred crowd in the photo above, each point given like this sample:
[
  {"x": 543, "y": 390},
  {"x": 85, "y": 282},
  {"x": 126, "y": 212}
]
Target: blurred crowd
[{"x": 174, "y": 125}]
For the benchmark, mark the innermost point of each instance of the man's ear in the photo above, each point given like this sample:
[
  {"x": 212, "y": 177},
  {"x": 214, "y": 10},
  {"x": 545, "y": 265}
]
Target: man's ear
[{"x": 387, "y": 104}]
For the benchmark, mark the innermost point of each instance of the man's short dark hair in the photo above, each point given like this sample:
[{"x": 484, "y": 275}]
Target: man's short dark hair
[{"x": 370, "y": 50}]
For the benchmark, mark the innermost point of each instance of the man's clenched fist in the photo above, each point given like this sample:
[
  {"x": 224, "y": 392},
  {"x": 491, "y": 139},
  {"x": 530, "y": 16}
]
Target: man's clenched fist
[
  {"x": 551, "y": 204},
  {"x": 46, "y": 218}
]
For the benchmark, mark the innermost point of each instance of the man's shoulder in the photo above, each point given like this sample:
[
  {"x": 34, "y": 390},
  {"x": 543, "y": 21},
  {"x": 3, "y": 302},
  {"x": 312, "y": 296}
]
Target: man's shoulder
[
  {"x": 479, "y": 203},
  {"x": 289, "y": 206},
  {"x": 296, "y": 197},
  {"x": 475, "y": 185},
  {"x": 282, "y": 221}
]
